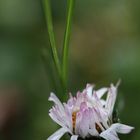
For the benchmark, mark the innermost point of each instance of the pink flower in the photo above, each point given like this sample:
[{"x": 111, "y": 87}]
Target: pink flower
[{"x": 87, "y": 115}]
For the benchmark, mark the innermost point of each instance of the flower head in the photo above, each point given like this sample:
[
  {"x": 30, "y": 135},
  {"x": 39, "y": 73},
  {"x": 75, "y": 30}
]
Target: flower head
[{"x": 87, "y": 115}]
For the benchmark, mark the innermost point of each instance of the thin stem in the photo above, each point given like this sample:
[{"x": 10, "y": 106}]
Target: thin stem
[
  {"x": 51, "y": 35},
  {"x": 70, "y": 7}
]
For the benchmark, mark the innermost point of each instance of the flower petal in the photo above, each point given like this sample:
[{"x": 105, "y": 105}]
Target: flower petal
[
  {"x": 58, "y": 134},
  {"x": 89, "y": 90},
  {"x": 121, "y": 128},
  {"x": 111, "y": 99},
  {"x": 103, "y": 102},
  {"x": 101, "y": 92},
  {"x": 74, "y": 137},
  {"x": 93, "y": 120},
  {"x": 84, "y": 123},
  {"x": 109, "y": 135},
  {"x": 55, "y": 99},
  {"x": 55, "y": 118}
]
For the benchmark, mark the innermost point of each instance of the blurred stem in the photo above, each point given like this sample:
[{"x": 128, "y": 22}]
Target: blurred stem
[
  {"x": 70, "y": 6},
  {"x": 62, "y": 72},
  {"x": 51, "y": 35}
]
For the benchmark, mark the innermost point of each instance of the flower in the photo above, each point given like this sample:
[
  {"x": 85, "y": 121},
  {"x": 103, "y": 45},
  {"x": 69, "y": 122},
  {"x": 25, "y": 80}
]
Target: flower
[{"x": 87, "y": 115}]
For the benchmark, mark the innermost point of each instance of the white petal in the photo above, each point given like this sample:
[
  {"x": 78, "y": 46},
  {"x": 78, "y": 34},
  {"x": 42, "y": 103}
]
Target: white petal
[
  {"x": 109, "y": 135},
  {"x": 121, "y": 128},
  {"x": 55, "y": 99},
  {"x": 89, "y": 90},
  {"x": 97, "y": 100},
  {"x": 93, "y": 132},
  {"x": 111, "y": 98},
  {"x": 58, "y": 134},
  {"x": 103, "y": 102},
  {"x": 54, "y": 118},
  {"x": 74, "y": 137},
  {"x": 101, "y": 92}
]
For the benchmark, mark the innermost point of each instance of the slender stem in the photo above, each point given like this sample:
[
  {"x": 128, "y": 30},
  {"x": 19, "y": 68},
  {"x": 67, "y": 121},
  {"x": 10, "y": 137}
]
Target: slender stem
[
  {"x": 51, "y": 35},
  {"x": 70, "y": 6}
]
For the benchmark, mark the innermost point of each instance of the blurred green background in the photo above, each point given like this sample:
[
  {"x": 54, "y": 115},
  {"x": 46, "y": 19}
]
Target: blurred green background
[{"x": 105, "y": 46}]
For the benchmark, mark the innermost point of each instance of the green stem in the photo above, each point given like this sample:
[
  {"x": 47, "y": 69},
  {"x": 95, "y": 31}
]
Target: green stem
[
  {"x": 70, "y": 7},
  {"x": 51, "y": 35}
]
